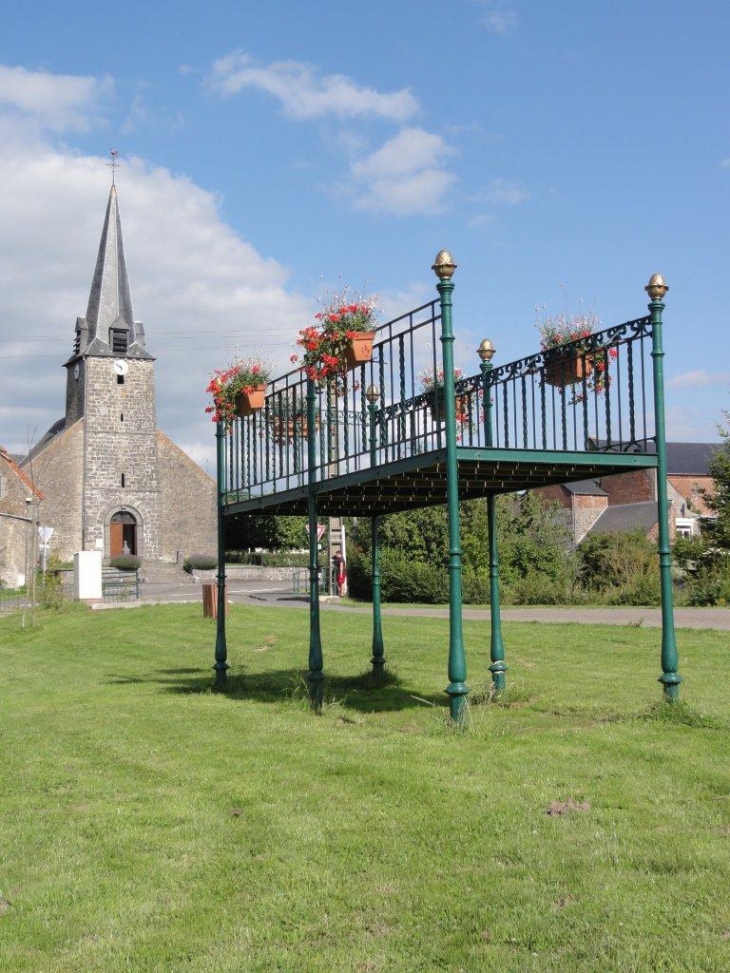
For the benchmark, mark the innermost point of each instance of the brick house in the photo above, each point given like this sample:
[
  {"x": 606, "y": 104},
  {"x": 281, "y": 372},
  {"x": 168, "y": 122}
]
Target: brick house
[
  {"x": 111, "y": 480},
  {"x": 627, "y": 501}
]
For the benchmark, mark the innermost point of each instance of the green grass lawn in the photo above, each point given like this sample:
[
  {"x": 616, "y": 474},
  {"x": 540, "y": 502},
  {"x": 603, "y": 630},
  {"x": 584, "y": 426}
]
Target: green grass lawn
[{"x": 149, "y": 824}]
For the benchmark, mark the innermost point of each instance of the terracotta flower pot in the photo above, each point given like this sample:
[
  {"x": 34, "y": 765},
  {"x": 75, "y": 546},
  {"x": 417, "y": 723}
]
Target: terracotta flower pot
[
  {"x": 438, "y": 405},
  {"x": 568, "y": 370},
  {"x": 360, "y": 349},
  {"x": 301, "y": 425},
  {"x": 282, "y": 428},
  {"x": 249, "y": 402}
]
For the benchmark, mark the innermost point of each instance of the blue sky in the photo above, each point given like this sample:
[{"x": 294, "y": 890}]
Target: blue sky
[{"x": 562, "y": 151}]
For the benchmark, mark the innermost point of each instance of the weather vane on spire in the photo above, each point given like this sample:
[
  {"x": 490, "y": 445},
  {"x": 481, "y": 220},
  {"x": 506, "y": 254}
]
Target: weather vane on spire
[{"x": 114, "y": 153}]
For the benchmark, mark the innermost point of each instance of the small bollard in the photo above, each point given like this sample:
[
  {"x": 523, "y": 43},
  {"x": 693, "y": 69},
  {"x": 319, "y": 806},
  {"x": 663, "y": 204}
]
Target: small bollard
[{"x": 210, "y": 599}]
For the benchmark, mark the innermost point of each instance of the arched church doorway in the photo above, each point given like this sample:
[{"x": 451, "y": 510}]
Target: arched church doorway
[{"x": 122, "y": 534}]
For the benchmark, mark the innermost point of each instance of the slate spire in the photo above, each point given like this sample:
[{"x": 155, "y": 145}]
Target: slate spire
[
  {"x": 109, "y": 326},
  {"x": 109, "y": 299}
]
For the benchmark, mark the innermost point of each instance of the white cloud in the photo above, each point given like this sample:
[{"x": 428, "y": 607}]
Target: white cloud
[
  {"x": 201, "y": 291},
  {"x": 306, "y": 95},
  {"x": 504, "y": 192},
  {"x": 56, "y": 102},
  {"x": 690, "y": 424},
  {"x": 405, "y": 176},
  {"x": 698, "y": 379},
  {"x": 725, "y": 164},
  {"x": 141, "y": 116},
  {"x": 499, "y": 20}
]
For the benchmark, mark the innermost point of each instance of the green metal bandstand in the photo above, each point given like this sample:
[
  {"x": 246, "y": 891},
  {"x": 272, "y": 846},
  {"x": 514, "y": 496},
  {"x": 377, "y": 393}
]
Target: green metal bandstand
[{"x": 380, "y": 445}]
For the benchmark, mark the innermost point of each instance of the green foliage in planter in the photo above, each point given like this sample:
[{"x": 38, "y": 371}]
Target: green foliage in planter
[
  {"x": 126, "y": 562},
  {"x": 200, "y": 562}
]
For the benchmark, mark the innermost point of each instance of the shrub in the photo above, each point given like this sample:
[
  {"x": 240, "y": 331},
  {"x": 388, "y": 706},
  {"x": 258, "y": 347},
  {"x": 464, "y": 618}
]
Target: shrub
[
  {"x": 401, "y": 579},
  {"x": 126, "y": 562},
  {"x": 625, "y": 567},
  {"x": 267, "y": 559},
  {"x": 475, "y": 586},
  {"x": 708, "y": 583},
  {"x": 49, "y": 584},
  {"x": 200, "y": 562},
  {"x": 536, "y": 588}
]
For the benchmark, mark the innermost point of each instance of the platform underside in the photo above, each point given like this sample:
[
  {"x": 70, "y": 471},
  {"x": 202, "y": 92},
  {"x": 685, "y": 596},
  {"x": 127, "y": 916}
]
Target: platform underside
[{"x": 420, "y": 481}]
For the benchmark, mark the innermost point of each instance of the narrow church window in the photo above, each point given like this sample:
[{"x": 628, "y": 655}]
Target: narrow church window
[
  {"x": 122, "y": 479},
  {"x": 120, "y": 379},
  {"x": 121, "y": 417}
]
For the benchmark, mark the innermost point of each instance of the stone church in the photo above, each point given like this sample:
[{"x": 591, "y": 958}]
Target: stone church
[{"x": 110, "y": 479}]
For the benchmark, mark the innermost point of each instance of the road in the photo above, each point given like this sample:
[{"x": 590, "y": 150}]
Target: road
[{"x": 279, "y": 593}]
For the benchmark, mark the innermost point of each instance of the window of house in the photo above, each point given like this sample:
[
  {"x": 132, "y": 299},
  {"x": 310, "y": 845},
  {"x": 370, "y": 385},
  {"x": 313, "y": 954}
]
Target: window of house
[{"x": 684, "y": 527}]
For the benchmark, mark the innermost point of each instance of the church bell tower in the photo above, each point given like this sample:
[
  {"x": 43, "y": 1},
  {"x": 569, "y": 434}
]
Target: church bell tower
[{"x": 110, "y": 385}]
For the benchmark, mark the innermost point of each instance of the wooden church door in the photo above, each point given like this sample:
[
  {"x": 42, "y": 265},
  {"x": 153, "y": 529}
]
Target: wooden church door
[{"x": 122, "y": 535}]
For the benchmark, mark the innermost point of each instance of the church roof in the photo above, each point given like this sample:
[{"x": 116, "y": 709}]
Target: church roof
[
  {"x": 109, "y": 310},
  {"x": 109, "y": 299}
]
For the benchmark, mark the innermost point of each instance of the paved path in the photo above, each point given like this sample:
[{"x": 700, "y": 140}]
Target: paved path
[{"x": 279, "y": 593}]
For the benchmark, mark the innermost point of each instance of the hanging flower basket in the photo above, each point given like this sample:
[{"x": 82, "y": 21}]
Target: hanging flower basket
[
  {"x": 248, "y": 402},
  {"x": 300, "y": 425},
  {"x": 360, "y": 348},
  {"x": 341, "y": 340},
  {"x": 238, "y": 390},
  {"x": 286, "y": 429},
  {"x": 568, "y": 370},
  {"x": 283, "y": 429},
  {"x": 438, "y": 406}
]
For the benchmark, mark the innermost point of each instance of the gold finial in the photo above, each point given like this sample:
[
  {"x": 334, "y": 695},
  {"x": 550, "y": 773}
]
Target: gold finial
[
  {"x": 443, "y": 266},
  {"x": 486, "y": 350},
  {"x": 372, "y": 394},
  {"x": 657, "y": 287},
  {"x": 113, "y": 165}
]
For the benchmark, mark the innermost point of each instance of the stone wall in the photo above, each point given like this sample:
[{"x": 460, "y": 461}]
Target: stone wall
[
  {"x": 15, "y": 535},
  {"x": 121, "y": 453},
  {"x": 187, "y": 504},
  {"x": 57, "y": 471},
  {"x": 586, "y": 511}
]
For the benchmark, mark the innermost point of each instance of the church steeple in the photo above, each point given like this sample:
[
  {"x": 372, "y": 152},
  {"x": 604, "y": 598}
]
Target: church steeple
[{"x": 109, "y": 327}]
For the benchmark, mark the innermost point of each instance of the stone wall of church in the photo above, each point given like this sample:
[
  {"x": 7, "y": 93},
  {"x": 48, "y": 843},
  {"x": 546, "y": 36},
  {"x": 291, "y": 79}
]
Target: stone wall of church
[
  {"x": 57, "y": 471},
  {"x": 188, "y": 504},
  {"x": 121, "y": 453}
]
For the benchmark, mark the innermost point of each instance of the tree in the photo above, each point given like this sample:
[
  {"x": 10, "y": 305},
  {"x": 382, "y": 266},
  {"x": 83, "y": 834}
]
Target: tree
[
  {"x": 719, "y": 501},
  {"x": 273, "y": 533}
]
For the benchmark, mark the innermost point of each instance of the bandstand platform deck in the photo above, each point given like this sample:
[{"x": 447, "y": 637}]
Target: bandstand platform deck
[{"x": 406, "y": 429}]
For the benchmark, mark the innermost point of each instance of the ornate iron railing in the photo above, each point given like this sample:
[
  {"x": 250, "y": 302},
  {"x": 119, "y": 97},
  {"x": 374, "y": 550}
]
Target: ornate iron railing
[{"x": 593, "y": 395}]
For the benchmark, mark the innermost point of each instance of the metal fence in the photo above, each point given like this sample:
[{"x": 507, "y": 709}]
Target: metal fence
[
  {"x": 119, "y": 585},
  {"x": 593, "y": 395}
]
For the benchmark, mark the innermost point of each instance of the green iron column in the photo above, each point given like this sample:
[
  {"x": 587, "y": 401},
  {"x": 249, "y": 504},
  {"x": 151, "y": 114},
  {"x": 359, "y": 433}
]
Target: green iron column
[
  {"x": 221, "y": 650},
  {"x": 457, "y": 689},
  {"x": 497, "y": 668},
  {"x": 378, "y": 660},
  {"x": 315, "y": 675},
  {"x": 670, "y": 678}
]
